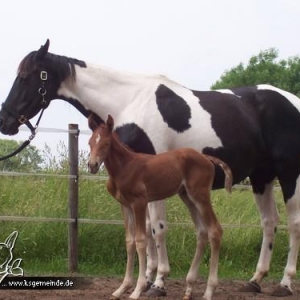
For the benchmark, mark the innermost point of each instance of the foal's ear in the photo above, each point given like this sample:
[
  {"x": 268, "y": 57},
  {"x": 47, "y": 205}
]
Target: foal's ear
[
  {"x": 43, "y": 50},
  {"x": 110, "y": 123},
  {"x": 94, "y": 121}
]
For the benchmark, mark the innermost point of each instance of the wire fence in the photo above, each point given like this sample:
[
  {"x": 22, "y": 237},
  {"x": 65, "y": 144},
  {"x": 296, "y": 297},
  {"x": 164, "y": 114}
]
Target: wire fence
[
  {"x": 97, "y": 178},
  {"x": 91, "y": 221}
]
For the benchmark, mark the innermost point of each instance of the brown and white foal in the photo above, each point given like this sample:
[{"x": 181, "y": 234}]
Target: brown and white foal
[{"x": 136, "y": 179}]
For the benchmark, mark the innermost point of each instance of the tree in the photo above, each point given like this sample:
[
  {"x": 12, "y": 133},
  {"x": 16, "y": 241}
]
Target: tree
[
  {"x": 264, "y": 68},
  {"x": 29, "y": 159}
]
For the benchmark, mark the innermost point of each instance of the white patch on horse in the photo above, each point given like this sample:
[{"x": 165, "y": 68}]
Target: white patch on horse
[
  {"x": 98, "y": 138},
  {"x": 124, "y": 100},
  {"x": 292, "y": 98},
  {"x": 187, "y": 138},
  {"x": 225, "y": 91},
  {"x": 118, "y": 89}
]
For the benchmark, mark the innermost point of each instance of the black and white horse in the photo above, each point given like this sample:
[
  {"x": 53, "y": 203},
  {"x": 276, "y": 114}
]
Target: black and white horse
[{"x": 255, "y": 130}]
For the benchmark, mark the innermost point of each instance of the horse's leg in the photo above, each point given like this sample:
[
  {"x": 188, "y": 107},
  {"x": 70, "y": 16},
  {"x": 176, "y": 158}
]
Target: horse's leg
[
  {"x": 269, "y": 219},
  {"x": 202, "y": 238},
  {"x": 291, "y": 192},
  {"x": 151, "y": 253},
  {"x": 139, "y": 209},
  {"x": 157, "y": 212},
  {"x": 130, "y": 247}
]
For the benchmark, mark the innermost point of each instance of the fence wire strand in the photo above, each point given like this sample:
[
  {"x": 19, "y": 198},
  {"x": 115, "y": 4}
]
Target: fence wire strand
[{"x": 117, "y": 222}]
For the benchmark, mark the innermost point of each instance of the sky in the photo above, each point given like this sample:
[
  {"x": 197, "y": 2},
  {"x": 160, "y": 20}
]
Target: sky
[{"x": 191, "y": 41}]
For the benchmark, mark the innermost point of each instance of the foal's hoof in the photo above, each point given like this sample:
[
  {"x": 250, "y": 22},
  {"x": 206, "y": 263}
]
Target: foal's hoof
[
  {"x": 156, "y": 291},
  {"x": 282, "y": 291},
  {"x": 187, "y": 297},
  {"x": 250, "y": 287}
]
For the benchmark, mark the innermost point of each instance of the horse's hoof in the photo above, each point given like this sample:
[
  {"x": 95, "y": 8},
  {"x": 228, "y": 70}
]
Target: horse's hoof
[
  {"x": 113, "y": 298},
  {"x": 148, "y": 286},
  {"x": 156, "y": 292},
  {"x": 282, "y": 291},
  {"x": 250, "y": 287},
  {"x": 187, "y": 297}
]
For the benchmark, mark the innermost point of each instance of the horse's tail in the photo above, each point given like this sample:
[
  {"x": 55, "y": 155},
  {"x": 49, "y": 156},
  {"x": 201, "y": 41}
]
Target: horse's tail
[{"x": 226, "y": 170}]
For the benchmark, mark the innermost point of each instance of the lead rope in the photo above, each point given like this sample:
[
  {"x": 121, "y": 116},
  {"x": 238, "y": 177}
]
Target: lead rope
[{"x": 28, "y": 141}]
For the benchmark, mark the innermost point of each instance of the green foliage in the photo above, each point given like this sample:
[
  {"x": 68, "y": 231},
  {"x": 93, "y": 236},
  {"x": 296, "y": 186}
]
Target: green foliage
[
  {"x": 29, "y": 159},
  {"x": 264, "y": 68},
  {"x": 59, "y": 163}
]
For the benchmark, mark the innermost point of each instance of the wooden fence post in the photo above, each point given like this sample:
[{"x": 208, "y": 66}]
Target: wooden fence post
[{"x": 73, "y": 197}]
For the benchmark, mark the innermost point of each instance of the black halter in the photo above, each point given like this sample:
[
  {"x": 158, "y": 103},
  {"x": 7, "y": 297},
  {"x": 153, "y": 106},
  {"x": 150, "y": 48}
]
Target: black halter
[{"x": 22, "y": 119}]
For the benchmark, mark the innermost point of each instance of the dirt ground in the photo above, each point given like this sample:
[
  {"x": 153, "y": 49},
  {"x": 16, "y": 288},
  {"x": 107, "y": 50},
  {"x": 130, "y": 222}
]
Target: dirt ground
[{"x": 101, "y": 288}]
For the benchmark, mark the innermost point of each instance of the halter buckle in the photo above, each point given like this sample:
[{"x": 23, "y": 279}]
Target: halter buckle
[
  {"x": 42, "y": 91},
  {"x": 44, "y": 75},
  {"x": 22, "y": 119}
]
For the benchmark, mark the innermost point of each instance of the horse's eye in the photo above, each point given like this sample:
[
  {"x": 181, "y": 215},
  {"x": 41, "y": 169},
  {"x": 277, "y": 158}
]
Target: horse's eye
[{"x": 22, "y": 79}]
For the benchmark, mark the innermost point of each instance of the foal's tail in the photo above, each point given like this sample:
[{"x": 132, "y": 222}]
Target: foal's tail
[{"x": 226, "y": 170}]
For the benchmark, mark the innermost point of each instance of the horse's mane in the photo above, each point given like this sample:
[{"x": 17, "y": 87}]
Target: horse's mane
[{"x": 62, "y": 66}]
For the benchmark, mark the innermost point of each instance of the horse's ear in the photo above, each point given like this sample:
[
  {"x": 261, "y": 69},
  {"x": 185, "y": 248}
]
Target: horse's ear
[
  {"x": 11, "y": 239},
  {"x": 94, "y": 121},
  {"x": 43, "y": 50},
  {"x": 110, "y": 123}
]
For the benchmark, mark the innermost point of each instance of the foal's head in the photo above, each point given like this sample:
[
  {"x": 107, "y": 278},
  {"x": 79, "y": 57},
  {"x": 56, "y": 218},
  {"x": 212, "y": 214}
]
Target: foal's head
[{"x": 100, "y": 141}]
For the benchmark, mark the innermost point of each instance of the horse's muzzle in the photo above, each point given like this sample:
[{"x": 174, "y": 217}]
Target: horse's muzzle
[{"x": 8, "y": 129}]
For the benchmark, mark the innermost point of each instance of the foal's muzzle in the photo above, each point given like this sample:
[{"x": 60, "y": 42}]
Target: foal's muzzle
[{"x": 93, "y": 167}]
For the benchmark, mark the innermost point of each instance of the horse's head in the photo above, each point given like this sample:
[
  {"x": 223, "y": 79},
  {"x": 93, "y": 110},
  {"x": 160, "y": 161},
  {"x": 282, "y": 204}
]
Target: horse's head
[
  {"x": 6, "y": 251},
  {"x": 28, "y": 94},
  {"x": 100, "y": 141},
  {"x": 39, "y": 77}
]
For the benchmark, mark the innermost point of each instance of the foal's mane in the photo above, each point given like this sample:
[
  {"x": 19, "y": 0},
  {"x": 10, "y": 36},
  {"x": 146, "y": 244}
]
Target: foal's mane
[
  {"x": 61, "y": 66},
  {"x": 117, "y": 138}
]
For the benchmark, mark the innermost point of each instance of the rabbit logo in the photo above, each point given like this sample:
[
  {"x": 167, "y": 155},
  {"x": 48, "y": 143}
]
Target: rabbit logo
[{"x": 8, "y": 266}]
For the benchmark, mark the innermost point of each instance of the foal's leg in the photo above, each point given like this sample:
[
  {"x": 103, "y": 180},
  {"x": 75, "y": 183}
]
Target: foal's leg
[
  {"x": 207, "y": 226},
  {"x": 157, "y": 212},
  {"x": 130, "y": 247},
  {"x": 202, "y": 238},
  {"x": 291, "y": 192},
  {"x": 269, "y": 220},
  {"x": 201, "y": 199},
  {"x": 139, "y": 210}
]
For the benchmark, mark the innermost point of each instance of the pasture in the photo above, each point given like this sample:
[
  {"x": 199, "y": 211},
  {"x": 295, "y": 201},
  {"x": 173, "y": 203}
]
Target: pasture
[{"x": 43, "y": 245}]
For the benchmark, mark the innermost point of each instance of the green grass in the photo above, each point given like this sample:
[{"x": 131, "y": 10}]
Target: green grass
[{"x": 43, "y": 246}]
